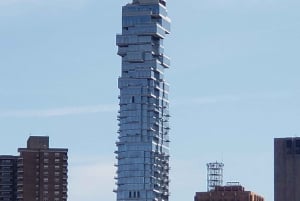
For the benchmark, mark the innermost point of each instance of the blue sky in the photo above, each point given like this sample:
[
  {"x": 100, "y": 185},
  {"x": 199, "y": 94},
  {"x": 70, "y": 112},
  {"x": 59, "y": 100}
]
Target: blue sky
[{"x": 234, "y": 87}]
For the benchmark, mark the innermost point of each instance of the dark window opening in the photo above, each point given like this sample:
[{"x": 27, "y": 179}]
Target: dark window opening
[
  {"x": 162, "y": 2},
  {"x": 297, "y": 143},
  {"x": 156, "y": 74},
  {"x": 132, "y": 99},
  {"x": 289, "y": 144}
]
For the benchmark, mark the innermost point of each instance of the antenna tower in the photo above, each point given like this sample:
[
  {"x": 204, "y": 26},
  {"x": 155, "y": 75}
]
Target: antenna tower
[{"x": 214, "y": 175}]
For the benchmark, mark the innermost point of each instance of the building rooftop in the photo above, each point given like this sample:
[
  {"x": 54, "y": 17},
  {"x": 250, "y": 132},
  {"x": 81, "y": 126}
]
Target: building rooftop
[
  {"x": 38, "y": 142},
  {"x": 230, "y": 188},
  {"x": 163, "y": 2},
  {"x": 228, "y": 192}
]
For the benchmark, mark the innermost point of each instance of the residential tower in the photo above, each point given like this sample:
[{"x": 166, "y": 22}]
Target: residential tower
[{"x": 143, "y": 140}]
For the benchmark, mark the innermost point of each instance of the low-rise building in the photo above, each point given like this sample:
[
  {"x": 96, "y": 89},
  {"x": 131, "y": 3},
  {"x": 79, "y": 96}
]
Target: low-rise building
[{"x": 228, "y": 193}]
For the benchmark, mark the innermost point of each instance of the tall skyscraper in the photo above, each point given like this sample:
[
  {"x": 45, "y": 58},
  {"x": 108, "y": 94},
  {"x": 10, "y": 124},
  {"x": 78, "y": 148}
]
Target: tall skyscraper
[
  {"x": 42, "y": 171},
  {"x": 143, "y": 141},
  {"x": 287, "y": 169},
  {"x": 8, "y": 178}
]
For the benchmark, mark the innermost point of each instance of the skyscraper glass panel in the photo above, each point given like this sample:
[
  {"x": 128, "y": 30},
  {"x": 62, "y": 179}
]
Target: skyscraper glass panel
[{"x": 143, "y": 140}]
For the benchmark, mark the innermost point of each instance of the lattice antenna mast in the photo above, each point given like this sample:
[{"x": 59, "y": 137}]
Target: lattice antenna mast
[{"x": 214, "y": 175}]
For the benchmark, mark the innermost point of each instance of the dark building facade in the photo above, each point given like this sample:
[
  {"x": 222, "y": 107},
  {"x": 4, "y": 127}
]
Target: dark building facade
[
  {"x": 287, "y": 169},
  {"x": 8, "y": 178},
  {"x": 42, "y": 171},
  {"x": 229, "y": 193}
]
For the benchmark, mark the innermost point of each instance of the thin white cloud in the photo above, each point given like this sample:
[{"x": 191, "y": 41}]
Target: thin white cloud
[
  {"x": 92, "y": 180},
  {"x": 64, "y": 111},
  {"x": 205, "y": 100}
]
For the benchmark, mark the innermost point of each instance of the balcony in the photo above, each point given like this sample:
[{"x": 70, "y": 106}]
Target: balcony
[
  {"x": 124, "y": 40},
  {"x": 20, "y": 196},
  {"x": 6, "y": 170},
  {"x": 5, "y": 189},
  {"x": 165, "y": 61},
  {"x": 20, "y": 177},
  {"x": 153, "y": 29},
  {"x": 20, "y": 170}
]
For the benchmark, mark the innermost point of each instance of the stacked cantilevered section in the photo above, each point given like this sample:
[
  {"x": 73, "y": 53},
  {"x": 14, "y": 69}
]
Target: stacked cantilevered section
[{"x": 143, "y": 141}]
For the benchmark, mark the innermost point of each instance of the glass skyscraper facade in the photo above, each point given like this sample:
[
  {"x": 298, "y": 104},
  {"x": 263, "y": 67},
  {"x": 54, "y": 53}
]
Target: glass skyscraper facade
[{"x": 143, "y": 140}]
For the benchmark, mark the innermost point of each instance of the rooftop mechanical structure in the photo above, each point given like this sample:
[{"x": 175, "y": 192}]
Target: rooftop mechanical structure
[
  {"x": 143, "y": 137},
  {"x": 214, "y": 175}
]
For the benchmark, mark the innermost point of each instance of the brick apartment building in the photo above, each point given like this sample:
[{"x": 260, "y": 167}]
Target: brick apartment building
[
  {"x": 39, "y": 173},
  {"x": 8, "y": 178},
  {"x": 228, "y": 193}
]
